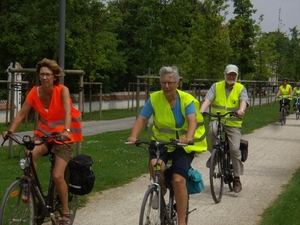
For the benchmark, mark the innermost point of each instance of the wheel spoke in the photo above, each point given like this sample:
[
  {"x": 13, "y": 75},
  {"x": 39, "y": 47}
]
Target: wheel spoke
[{"x": 14, "y": 208}]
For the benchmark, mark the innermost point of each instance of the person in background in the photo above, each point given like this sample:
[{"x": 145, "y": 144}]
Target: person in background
[
  {"x": 224, "y": 96},
  {"x": 175, "y": 115},
  {"x": 53, "y": 103},
  {"x": 285, "y": 92},
  {"x": 296, "y": 94}
]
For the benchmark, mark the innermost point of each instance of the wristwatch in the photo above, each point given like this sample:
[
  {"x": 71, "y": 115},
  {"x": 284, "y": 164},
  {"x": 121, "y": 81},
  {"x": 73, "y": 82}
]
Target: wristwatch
[{"x": 67, "y": 129}]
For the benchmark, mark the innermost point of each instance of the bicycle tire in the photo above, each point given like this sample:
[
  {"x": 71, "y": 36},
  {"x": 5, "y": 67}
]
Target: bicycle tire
[
  {"x": 231, "y": 176},
  {"x": 216, "y": 176},
  {"x": 73, "y": 204},
  {"x": 148, "y": 215},
  {"x": 13, "y": 209},
  {"x": 282, "y": 116},
  {"x": 187, "y": 211}
]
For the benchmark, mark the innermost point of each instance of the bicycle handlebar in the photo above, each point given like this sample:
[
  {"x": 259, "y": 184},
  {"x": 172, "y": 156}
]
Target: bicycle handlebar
[
  {"x": 157, "y": 145},
  {"x": 284, "y": 96},
  {"x": 27, "y": 140},
  {"x": 219, "y": 115}
]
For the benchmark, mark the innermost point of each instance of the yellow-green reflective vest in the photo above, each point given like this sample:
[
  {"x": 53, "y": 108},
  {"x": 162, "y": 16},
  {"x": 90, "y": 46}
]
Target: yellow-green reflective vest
[
  {"x": 296, "y": 92},
  {"x": 223, "y": 104},
  {"x": 285, "y": 92},
  {"x": 164, "y": 124}
]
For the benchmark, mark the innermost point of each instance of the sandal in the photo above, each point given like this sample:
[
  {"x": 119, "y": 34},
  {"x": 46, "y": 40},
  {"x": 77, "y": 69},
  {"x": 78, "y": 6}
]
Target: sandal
[{"x": 64, "y": 221}]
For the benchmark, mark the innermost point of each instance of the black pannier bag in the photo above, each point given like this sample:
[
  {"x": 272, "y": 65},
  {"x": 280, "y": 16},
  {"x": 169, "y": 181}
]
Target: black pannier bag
[
  {"x": 244, "y": 149},
  {"x": 82, "y": 178}
]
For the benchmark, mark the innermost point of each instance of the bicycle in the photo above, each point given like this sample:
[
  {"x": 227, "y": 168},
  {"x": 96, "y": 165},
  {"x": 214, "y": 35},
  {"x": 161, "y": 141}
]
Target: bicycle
[
  {"x": 166, "y": 213},
  {"x": 297, "y": 108},
  {"x": 283, "y": 109},
  {"x": 37, "y": 205},
  {"x": 221, "y": 170}
]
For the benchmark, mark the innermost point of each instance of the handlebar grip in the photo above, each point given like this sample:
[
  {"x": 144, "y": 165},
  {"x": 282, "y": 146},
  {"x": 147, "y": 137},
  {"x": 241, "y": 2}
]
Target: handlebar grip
[
  {"x": 6, "y": 137},
  {"x": 4, "y": 140}
]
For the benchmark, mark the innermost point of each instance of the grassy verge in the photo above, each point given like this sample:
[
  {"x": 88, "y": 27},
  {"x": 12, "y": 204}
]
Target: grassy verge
[
  {"x": 285, "y": 208},
  {"x": 116, "y": 164},
  {"x": 106, "y": 115}
]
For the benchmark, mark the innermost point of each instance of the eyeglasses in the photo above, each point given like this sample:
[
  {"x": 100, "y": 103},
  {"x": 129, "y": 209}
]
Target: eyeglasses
[
  {"x": 231, "y": 74},
  {"x": 168, "y": 83},
  {"x": 47, "y": 75}
]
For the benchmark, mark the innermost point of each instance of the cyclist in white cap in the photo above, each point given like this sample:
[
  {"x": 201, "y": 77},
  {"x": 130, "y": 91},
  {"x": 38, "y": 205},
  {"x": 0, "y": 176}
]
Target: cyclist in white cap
[{"x": 224, "y": 96}]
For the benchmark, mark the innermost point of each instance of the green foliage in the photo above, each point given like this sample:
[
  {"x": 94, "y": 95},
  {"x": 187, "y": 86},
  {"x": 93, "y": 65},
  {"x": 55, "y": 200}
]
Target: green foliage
[
  {"x": 206, "y": 52},
  {"x": 242, "y": 36},
  {"x": 114, "y": 43}
]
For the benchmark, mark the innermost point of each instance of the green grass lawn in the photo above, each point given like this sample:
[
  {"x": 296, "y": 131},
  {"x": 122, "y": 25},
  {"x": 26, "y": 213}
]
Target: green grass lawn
[{"x": 116, "y": 164}]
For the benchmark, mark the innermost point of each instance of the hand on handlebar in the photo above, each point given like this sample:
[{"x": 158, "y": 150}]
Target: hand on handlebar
[
  {"x": 240, "y": 113},
  {"x": 5, "y": 134},
  {"x": 64, "y": 136},
  {"x": 184, "y": 141},
  {"x": 131, "y": 140}
]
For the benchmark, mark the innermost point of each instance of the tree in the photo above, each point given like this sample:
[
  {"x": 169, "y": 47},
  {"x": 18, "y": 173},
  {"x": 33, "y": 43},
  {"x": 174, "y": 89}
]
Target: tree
[
  {"x": 208, "y": 47},
  {"x": 292, "y": 56},
  {"x": 242, "y": 35}
]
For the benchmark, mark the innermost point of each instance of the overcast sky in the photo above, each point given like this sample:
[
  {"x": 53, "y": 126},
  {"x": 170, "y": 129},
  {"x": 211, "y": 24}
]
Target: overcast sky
[{"x": 290, "y": 14}]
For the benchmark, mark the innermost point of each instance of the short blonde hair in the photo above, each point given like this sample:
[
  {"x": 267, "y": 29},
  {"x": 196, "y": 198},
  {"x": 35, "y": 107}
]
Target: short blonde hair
[{"x": 53, "y": 66}]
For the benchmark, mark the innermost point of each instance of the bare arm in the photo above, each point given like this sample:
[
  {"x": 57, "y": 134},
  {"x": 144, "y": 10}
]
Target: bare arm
[
  {"x": 137, "y": 128},
  {"x": 204, "y": 105},
  {"x": 192, "y": 125},
  {"x": 243, "y": 106},
  {"x": 277, "y": 94},
  {"x": 65, "y": 96},
  {"x": 291, "y": 91}
]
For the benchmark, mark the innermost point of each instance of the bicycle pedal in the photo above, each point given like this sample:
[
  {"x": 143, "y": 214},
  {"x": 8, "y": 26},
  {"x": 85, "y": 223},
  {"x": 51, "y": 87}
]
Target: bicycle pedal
[{"x": 192, "y": 210}]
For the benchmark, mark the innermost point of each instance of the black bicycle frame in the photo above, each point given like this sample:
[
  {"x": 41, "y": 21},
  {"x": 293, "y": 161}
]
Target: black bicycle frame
[{"x": 48, "y": 199}]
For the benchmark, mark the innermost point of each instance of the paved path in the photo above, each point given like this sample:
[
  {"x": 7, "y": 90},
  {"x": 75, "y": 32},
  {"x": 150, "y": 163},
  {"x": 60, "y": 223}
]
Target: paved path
[{"x": 274, "y": 156}]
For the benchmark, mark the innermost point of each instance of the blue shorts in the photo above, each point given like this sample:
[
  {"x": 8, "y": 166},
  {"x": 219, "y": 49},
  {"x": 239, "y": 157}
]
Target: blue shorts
[
  {"x": 181, "y": 160},
  {"x": 286, "y": 102}
]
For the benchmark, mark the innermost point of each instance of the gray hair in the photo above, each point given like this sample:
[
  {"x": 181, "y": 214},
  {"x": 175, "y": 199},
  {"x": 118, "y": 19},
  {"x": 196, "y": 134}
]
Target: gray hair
[{"x": 169, "y": 71}]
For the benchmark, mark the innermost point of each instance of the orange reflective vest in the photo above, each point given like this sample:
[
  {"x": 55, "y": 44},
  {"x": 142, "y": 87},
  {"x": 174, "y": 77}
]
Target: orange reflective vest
[{"x": 53, "y": 120}]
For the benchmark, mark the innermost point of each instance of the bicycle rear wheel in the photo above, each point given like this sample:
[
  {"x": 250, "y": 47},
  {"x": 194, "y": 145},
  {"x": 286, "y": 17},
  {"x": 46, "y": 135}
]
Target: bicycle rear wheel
[
  {"x": 283, "y": 116},
  {"x": 230, "y": 176},
  {"x": 149, "y": 214},
  {"x": 15, "y": 208},
  {"x": 216, "y": 175}
]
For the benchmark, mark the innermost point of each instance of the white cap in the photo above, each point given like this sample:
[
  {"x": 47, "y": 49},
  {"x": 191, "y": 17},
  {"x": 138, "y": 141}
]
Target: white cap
[{"x": 231, "y": 68}]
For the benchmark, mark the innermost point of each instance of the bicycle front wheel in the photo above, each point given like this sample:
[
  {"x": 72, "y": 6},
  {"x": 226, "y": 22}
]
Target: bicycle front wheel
[
  {"x": 18, "y": 205},
  {"x": 216, "y": 175},
  {"x": 151, "y": 213}
]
